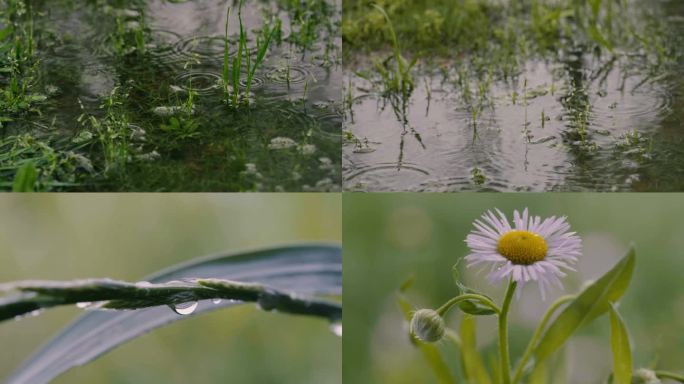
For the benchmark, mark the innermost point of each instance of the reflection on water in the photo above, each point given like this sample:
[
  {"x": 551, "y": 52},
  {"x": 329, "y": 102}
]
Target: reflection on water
[
  {"x": 182, "y": 48},
  {"x": 574, "y": 121}
]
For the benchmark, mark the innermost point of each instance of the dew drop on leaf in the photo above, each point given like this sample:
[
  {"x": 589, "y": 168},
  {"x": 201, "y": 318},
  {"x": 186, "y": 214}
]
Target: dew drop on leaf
[{"x": 185, "y": 308}]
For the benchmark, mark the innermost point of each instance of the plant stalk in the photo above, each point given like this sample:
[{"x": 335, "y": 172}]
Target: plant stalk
[
  {"x": 520, "y": 368},
  {"x": 468, "y": 296},
  {"x": 503, "y": 334}
]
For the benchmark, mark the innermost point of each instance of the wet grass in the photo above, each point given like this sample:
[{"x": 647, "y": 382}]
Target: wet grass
[
  {"x": 475, "y": 58},
  {"x": 112, "y": 102}
]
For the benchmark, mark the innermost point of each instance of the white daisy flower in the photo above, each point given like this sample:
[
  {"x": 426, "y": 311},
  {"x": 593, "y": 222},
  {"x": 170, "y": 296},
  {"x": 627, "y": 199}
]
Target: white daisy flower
[{"x": 531, "y": 250}]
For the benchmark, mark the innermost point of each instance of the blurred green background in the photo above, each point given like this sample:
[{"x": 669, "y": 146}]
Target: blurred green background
[
  {"x": 129, "y": 236},
  {"x": 389, "y": 237}
]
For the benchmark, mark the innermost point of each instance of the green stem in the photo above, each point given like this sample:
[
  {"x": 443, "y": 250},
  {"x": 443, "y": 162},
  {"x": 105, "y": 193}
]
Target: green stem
[
  {"x": 503, "y": 334},
  {"x": 468, "y": 296},
  {"x": 537, "y": 334},
  {"x": 112, "y": 294},
  {"x": 670, "y": 375}
]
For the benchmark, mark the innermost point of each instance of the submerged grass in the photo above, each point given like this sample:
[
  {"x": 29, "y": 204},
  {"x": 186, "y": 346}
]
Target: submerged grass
[
  {"x": 117, "y": 111},
  {"x": 244, "y": 60}
]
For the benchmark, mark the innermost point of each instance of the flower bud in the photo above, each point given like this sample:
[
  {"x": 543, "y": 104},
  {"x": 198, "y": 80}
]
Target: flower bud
[
  {"x": 645, "y": 376},
  {"x": 427, "y": 325}
]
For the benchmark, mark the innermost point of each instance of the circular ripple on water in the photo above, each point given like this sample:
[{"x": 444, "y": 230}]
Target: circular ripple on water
[
  {"x": 385, "y": 177},
  {"x": 202, "y": 83},
  {"x": 204, "y": 47},
  {"x": 257, "y": 82},
  {"x": 297, "y": 74},
  {"x": 645, "y": 104},
  {"x": 163, "y": 44},
  {"x": 329, "y": 125}
]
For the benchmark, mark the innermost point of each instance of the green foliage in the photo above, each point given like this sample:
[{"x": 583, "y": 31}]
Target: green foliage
[
  {"x": 622, "y": 351},
  {"x": 54, "y": 169},
  {"x": 112, "y": 132},
  {"x": 473, "y": 366},
  {"x": 395, "y": 71},
  {"x": 309, "y": 278},
  {"x": 598, "y": 298},
  {"x": 594, "y": 301},
  {"x": 244, "y": 59},
  {"x": 25, "y": 179}
]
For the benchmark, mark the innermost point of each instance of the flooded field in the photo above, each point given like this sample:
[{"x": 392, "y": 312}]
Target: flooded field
[
  {"x": 552, "y": 96},
  {"x": 170, "y": 95}
]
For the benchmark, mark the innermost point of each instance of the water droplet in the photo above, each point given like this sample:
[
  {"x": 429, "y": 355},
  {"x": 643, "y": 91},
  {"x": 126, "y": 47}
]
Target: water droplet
[
  {"x": 267, "y": 302},
  {"x": 216, "y": 301},
  {"x": 84, "y": 305},
  {"x": 185, "y": 308},
  {"x": 336, "y": 328}
]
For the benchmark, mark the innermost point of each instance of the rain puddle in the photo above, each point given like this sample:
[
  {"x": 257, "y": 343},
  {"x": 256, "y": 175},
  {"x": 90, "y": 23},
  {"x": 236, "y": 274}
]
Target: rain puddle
[
  {"x": 135, "y": 97},
  {"x": 578, "y": 119}
]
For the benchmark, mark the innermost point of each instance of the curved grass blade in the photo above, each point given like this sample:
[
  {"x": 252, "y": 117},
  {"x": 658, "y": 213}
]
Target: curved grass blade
[
  {"x": 622, "y": 352},
  {"x": 474, "y": 367},
  {"x": 591, "y": 303},
  {"x": 307, "y": 270}
]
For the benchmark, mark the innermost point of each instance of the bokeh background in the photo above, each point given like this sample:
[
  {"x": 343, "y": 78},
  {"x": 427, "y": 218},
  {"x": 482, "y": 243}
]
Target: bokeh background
[
  {"x": 129, "y": 236},
  {"x": 389, "y": 237}
]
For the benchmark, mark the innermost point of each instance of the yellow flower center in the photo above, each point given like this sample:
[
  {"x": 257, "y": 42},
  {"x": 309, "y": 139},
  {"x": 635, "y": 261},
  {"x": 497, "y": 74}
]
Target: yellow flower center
[{"x": 522, "y": 247}]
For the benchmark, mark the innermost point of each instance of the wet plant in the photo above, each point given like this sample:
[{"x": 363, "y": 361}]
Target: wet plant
[
  {"x": 532, "y": 251},
  {"x": 111, "y": 132},
  {"x": 232, "y": 70},
  {"x": 36, "y": 164},
  {"x": 395, "y": 71},
  {"x": 173, "y": 294},
  {"x": 169, "y": 90}
]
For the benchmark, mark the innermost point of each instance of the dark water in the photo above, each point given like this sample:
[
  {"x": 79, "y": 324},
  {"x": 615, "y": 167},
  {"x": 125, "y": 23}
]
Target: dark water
[
  {"x": 225, "y": 149},
  {"x": 576, "y": 121}
]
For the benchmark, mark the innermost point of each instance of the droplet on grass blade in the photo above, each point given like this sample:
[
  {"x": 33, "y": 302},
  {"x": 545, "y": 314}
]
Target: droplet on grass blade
[{"x": 185, "y": 308}]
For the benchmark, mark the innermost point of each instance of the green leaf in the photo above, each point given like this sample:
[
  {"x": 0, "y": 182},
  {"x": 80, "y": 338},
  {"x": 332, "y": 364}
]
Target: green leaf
[
  {"x": 622, "y": 352},
  {"x": 305, "y": 270},
  {"x": 540, "y": 374},
  {"x": 594, "y": 301},
  {"x": 598, "y": 38},
  {"x": 472, "y": 361},
  {"x": 25, "y": 179},
  {"x": 430, "y": 351},
  {"x": 469, "y": 307}
]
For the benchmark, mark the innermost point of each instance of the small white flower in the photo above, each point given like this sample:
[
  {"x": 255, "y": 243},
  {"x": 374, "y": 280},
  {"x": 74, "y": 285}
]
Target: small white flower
[
  {"x": 531, "y": 250},
  {"x": 281, "y": 143},
  {"x": 307, "y": 149}
]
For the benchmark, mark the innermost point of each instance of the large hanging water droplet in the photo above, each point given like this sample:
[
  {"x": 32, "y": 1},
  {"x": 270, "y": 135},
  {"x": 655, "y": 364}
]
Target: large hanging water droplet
[
  {"x": 336, "y": 328},
  {"x": 185, "y": 308},
  {"x": 267, "y": 302},
  {"x": 216, "y": 301}
]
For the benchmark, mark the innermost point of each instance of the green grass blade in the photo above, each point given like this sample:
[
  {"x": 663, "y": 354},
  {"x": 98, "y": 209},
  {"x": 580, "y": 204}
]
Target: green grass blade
[
  {"x": 622, "y": 352},
  {"x": 25, "y": 179},
  {"x": 594, "y": 301},
  {"x": 306, "y": 270},
  {"x": 472, "y": 361}
]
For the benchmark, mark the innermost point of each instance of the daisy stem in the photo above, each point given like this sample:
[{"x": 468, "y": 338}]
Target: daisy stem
[
  {"x": 537, "y": 334},
  {"x": 503, "y": 334},
  {"x": 670, "y": 375},
  {"x": 468, "y": 296}
]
